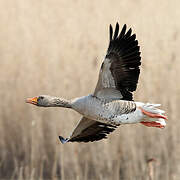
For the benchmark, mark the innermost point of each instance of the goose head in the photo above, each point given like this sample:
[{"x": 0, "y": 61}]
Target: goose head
[{"x": 42, "y": 100}]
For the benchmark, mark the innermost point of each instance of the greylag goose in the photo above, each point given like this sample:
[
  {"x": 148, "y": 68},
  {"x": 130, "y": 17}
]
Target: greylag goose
[{"x": 112, "y": 103}]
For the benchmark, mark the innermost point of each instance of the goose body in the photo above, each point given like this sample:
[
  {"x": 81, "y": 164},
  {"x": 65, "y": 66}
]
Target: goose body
[
  {"x": 112, "y": 103},
  {"x": 106, "y": 111}
]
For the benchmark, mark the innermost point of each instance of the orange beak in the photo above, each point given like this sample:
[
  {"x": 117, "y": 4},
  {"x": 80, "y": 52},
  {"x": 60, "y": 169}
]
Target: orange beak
[{"x": 32, "y": 100}]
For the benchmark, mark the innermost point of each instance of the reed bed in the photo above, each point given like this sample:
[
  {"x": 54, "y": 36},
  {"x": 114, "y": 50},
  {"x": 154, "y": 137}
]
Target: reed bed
[{"x": 56, "y": 48}]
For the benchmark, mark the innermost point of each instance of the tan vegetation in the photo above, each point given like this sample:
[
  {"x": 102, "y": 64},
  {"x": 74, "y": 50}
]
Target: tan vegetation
[{"x": 56, "y": 48}]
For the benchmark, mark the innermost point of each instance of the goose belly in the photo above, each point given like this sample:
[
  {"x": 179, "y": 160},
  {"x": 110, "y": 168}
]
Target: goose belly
[
  {"x": 114, "y": 119},
  {"x": 129, "y": 118},
  {"x": 112, "y": 113},
  {"x": 106, "y": 115}
]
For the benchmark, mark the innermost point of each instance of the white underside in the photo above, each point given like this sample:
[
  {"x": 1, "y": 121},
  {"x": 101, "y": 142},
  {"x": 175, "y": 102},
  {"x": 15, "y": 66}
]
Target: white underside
[{"x": 131, "y": 118}]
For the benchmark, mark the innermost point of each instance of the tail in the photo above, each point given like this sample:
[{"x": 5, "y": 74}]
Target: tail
[{"x": 152, "y": 116}]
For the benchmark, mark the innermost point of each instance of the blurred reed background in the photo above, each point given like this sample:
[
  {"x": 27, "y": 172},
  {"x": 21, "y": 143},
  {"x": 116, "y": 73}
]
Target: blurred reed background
[{"x": 56, "y": 47}]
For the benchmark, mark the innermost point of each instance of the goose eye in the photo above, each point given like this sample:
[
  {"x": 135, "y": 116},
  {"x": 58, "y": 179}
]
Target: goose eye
[{"x": 40, "y": 98}]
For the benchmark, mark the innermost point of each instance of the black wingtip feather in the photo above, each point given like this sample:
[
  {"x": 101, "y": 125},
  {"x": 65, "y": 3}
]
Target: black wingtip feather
[
  {"x": 116, "y": 31},
  {"x": 128, "y": 34},
  {"x": 123, "y": 31},
  {"x": 110, "y": 32},
  {"x": 63, "y": 140}
]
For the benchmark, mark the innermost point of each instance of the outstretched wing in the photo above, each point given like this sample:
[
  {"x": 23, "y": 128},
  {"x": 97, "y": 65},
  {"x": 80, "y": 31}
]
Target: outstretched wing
[
  {"x": 120, "y": 70},
  {"x": 89, "y": 130}
]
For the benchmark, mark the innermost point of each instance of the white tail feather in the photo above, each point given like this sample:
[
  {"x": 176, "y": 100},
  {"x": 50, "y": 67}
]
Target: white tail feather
[
  {"x": 150, "y": 107},
  {"x": 151, "y": 113}
]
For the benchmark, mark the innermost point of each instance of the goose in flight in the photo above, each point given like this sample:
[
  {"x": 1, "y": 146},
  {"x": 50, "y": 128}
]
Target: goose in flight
[{"x": 112, "y": 103}]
